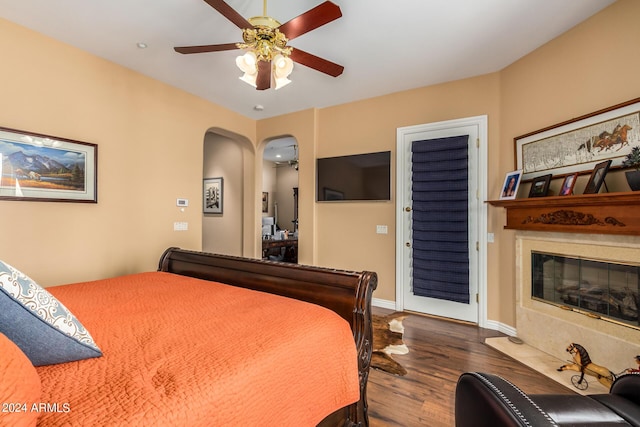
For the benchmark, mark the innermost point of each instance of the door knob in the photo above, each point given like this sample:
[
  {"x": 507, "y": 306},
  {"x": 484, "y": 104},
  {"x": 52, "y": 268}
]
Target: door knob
[
  {"x": 408, "y": 209},
  {"x": 408, "y": 244}
]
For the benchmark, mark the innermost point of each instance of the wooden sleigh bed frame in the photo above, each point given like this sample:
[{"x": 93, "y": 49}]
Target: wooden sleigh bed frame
[{"x": 347, "y": 293}]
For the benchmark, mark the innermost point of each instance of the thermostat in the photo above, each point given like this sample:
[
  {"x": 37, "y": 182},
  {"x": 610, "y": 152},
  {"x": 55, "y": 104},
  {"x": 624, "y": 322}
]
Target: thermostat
[{"x": 182, "y": 202}]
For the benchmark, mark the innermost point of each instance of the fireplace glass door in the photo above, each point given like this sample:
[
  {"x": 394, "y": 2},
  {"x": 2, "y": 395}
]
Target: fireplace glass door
[{"x": 600, "y": 289}]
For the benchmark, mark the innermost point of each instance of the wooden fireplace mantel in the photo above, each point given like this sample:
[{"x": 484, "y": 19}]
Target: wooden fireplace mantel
[{"x": 608, "y": 213}]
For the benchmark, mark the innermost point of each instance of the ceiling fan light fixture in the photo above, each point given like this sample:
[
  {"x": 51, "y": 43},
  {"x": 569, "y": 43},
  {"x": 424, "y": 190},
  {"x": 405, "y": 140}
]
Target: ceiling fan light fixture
[
  {"x": 281, "y": 82},
  {"x": 283, "y": 65},
  {"x": 248, "y": 65},
  {"x": 265, "y": 38},
  {"x": 282, "y": 68},
  {"x": 250, "y": 79},
  {"x": 247, "y": 62}
]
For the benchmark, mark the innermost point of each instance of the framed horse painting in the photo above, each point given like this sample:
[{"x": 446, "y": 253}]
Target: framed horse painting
[{"x": 579, "y": 144}]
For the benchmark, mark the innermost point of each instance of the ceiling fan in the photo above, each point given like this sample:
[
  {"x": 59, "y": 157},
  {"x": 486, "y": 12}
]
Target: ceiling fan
[
  {"x": 293, "y": 162},
  {"x": 266, "y": 39}
]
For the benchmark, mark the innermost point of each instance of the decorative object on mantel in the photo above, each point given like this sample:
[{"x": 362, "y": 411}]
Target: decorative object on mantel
[
  {"x": 577, "y": 145},
  {"x": 540, "y": 186},
  {"x": 597, "y": 177},
  {"x": 633, "y": 160},
  {"x": 511, "y": 185},
  {"x": 582, "y": 363},
  {"x": 568, "y": 184}
]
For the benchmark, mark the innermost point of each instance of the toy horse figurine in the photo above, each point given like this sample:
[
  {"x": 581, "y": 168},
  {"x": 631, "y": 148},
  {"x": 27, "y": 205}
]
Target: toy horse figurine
[{"x": 582, "y": 363}]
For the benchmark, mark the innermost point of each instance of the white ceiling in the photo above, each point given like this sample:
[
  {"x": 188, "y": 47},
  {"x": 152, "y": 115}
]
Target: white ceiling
[{"x": 385, "y": 46}]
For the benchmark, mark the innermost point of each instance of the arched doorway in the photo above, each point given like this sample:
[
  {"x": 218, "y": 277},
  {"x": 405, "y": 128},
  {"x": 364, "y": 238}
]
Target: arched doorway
[
  {"x": 279, "y": 222},
  {"x": 230, "y": 159}
]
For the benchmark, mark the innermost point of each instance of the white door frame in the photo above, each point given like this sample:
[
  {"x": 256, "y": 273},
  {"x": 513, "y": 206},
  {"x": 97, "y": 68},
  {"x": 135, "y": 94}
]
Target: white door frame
[{"x": 402, "y": 135}]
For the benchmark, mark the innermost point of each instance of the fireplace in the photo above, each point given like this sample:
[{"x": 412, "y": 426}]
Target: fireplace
[
  {"x": 580, "y": 288},
  {"x": 599, "y": 289}
]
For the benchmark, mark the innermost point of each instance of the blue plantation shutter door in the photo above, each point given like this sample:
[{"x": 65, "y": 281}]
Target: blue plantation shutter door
[{"x": 440, "y": 218}]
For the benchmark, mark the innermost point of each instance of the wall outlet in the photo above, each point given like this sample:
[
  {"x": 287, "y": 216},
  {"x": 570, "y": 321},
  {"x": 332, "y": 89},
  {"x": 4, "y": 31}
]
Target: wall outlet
[
  {"x": 382, "y": 229},
  {"x": 180, "y": 226}
]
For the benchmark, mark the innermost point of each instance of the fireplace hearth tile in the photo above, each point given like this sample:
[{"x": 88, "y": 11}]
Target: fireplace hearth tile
[{"x": 543, "y": 363}]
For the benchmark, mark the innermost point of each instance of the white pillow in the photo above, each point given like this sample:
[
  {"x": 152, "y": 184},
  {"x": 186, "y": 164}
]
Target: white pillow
[{"x": 44, "y": 329}]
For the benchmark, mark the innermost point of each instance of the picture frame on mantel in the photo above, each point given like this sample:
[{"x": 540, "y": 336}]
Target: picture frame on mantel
[
  {"x": 597, "y": 177},
  {"x": 540, "y": 186},
  {"x": 567, "y": 185},
  {"x": 511, "y": 184},
  {"x": 579, "y": 144},
  {"x": 45, "y": 168}
]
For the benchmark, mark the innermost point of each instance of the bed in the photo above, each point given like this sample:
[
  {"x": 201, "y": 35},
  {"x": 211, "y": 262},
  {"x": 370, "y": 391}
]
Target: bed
[{"x": 204, "y": 340}]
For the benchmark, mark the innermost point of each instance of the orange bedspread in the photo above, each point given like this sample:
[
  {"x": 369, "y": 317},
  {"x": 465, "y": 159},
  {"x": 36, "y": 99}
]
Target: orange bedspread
[{"x": 180, "y": 351}]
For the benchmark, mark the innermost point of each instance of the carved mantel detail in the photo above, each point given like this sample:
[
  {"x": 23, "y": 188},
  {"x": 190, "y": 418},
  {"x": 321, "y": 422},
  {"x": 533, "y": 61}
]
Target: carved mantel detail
[
  {"x": 571, "y": 217},
  {"x": 610, "y": 213}
]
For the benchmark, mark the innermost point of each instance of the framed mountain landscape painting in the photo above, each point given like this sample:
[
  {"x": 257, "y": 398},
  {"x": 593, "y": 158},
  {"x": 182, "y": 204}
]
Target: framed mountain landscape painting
[{"x": 39, "y": 167}]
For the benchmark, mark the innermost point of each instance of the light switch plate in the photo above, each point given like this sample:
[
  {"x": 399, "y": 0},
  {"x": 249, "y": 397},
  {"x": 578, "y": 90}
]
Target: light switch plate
[
  {"x": 382, "y": 229},
  {"x": 182, "y": 202},
  {"x": 180, "y": 226}
]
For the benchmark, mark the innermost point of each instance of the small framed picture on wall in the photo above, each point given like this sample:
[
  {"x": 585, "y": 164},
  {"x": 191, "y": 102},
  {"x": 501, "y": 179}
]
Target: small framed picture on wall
[{"x": 213, "y": 195}]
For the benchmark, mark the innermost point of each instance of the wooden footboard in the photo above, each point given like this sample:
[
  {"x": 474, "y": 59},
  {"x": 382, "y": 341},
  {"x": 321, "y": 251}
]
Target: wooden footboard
[{"x": 347, "y": 293}]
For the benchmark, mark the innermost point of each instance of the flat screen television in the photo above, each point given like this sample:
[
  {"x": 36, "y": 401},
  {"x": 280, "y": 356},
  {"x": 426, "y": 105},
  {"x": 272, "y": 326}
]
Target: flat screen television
[{"x": 354, "y": 177}]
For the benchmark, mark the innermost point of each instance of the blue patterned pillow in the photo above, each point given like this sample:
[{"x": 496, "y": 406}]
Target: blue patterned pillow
[{"x": 43, "y": 328}]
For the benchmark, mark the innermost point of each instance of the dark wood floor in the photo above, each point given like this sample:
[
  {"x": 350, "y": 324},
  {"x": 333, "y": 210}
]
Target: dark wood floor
[{"x": 439, "y": 351}]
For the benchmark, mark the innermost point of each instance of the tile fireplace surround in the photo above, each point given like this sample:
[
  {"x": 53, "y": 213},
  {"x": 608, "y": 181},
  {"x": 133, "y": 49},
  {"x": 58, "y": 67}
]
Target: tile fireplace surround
[{"x": 551, "y": 329}]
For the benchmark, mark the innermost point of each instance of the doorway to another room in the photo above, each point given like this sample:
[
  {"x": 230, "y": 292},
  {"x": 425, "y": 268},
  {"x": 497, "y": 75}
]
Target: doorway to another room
[
  {"x": 441, "y": 219},
  {"x": 280, "y": 200}
]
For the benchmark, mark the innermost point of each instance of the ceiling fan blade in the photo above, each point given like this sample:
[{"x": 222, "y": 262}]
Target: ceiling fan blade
[
  {"x": 317, "y": 63},
  {"x": 264, "y": 75},
  {"x": 228, "y": 12},
  {"x": 311, "y": 19},
  {"x": 205, "y": 48}
]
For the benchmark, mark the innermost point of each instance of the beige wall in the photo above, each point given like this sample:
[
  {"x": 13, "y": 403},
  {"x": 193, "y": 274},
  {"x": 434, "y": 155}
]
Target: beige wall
[
  {"x": 269, "y": 184},
  {"x": 345, "y": 233},
  {"x": 279, "y": 180},
  {"x": 150, "y": 152},
  {"x": 223, "y": 233},
  {"x": 303, "y": 127},
  {"x": 161, "y": 129},
  {"x": 566, "y": 78},
  {"x": 591, "y": 67},
  {"x": 287, "y": 179}
]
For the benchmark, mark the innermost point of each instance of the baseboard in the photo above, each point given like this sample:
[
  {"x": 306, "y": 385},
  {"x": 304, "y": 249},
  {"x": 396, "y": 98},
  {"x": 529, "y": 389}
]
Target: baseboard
[
  {"x": 490, "y": 324},
  {"x": 501, "y": 327},
  {"x": 383, "y": 303}
]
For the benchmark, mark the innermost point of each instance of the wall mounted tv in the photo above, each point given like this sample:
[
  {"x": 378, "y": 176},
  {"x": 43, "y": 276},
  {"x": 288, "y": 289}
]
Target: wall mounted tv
[{"x": 354, "y": 177}]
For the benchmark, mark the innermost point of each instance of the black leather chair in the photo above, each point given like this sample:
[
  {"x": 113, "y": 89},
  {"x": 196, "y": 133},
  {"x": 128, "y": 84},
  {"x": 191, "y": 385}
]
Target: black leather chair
[{"x": 489, "y": 400}]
